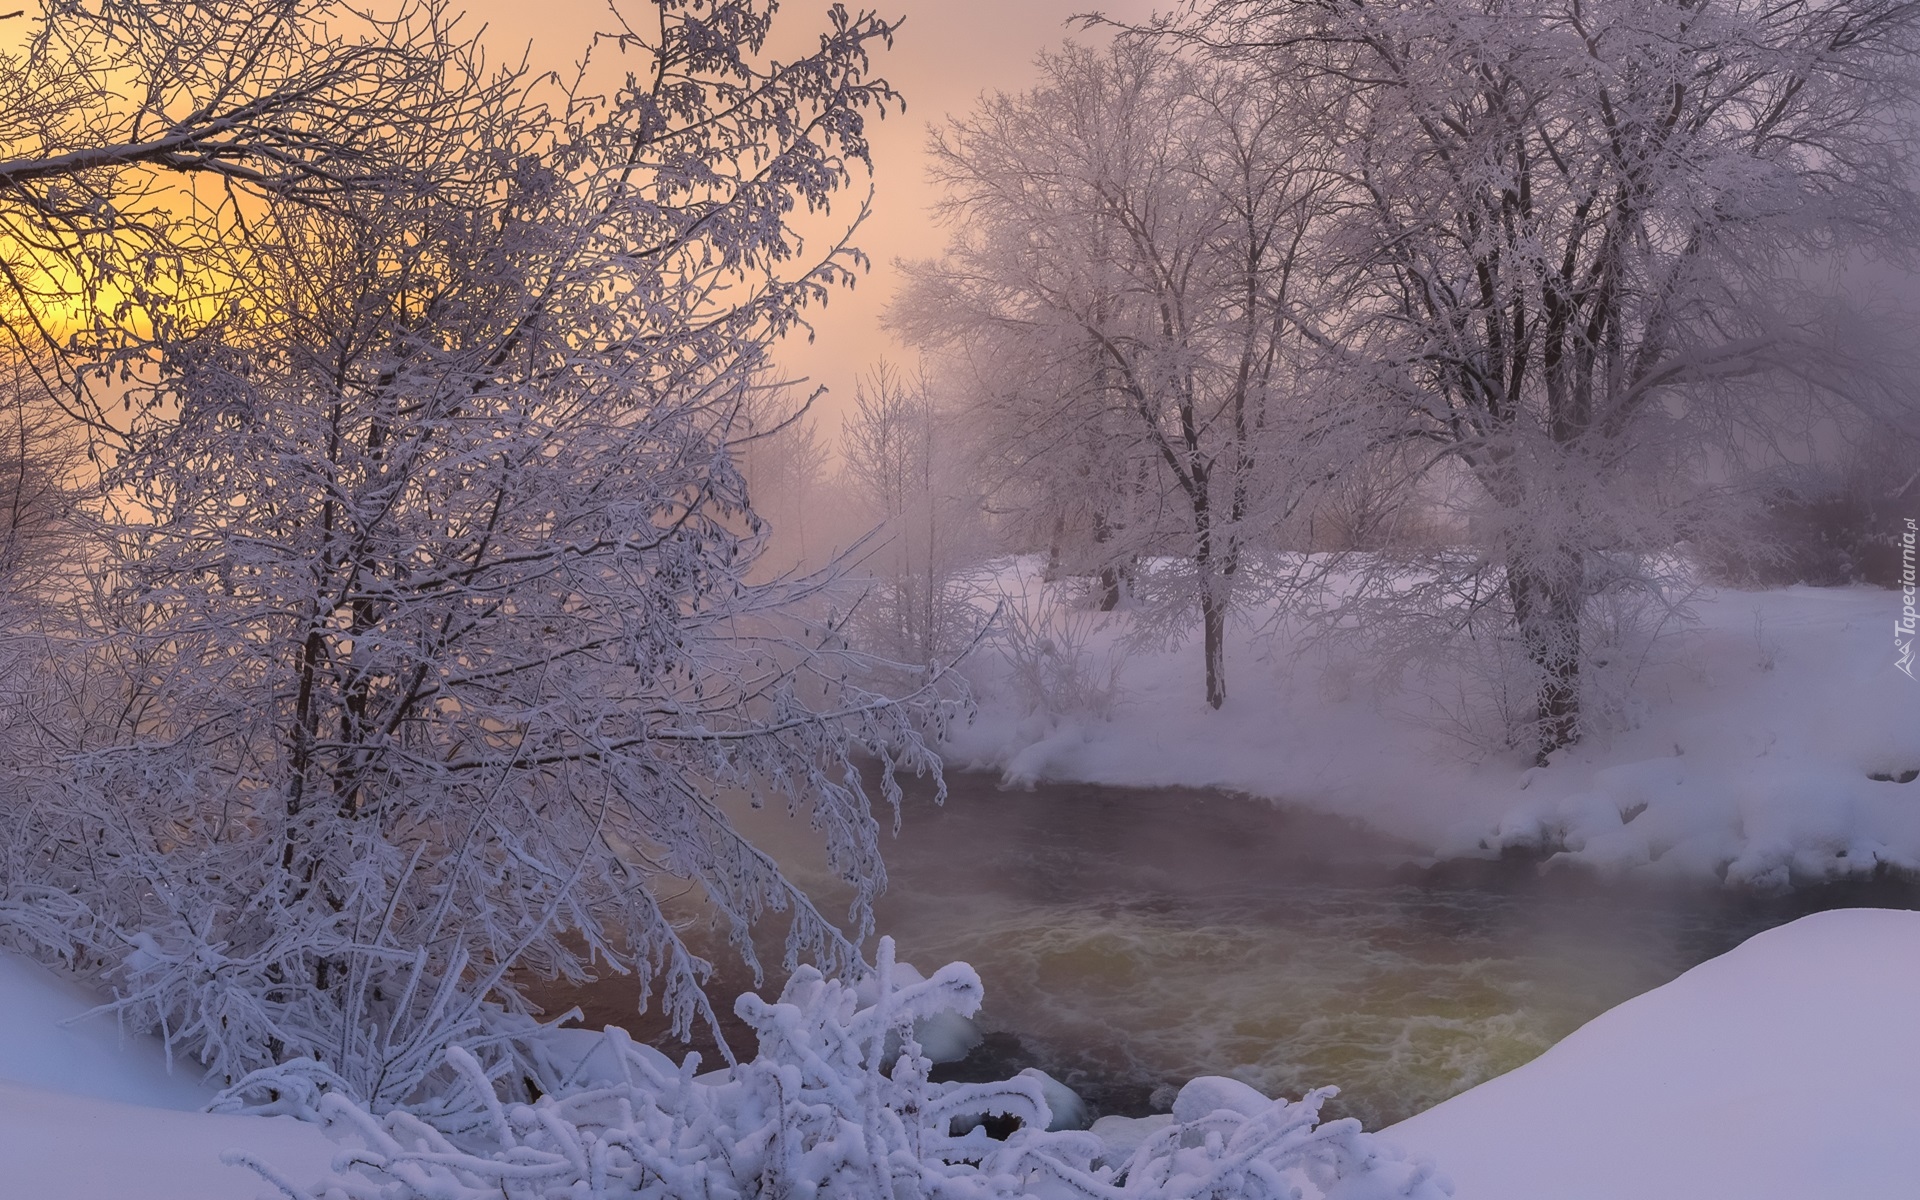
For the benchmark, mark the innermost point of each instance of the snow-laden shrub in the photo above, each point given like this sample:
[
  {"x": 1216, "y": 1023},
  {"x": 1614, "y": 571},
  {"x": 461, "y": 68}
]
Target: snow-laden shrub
[
  {"x": 1048, "y": 640},
  {"x": 821, "y": 1112},
  {"x": 1438, "y": 639},
  {"x": 1824, "y": 523}
]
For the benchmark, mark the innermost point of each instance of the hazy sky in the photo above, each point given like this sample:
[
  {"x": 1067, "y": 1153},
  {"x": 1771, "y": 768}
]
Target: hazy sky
[{"x": 946, "y": 55}]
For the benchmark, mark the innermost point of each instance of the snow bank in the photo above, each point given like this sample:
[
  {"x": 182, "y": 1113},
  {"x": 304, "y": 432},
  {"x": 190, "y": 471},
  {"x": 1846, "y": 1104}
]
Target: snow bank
[
  {"x": 1753, "y": 742},
  {"x": 89, "y": 1114},
  {"x": 1771, "y": 752},
  {"x": 57, "y": 1146},
  {"x": 1783, "y": 1070},
  {"x": 47, "y": 1041}
]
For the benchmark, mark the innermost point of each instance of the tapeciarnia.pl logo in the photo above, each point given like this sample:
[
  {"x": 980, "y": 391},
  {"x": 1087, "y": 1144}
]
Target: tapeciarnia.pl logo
[{"x": 1903, "y": 629}]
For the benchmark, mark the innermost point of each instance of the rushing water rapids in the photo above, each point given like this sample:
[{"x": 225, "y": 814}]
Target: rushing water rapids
[{"x": 1130, "y": 940}]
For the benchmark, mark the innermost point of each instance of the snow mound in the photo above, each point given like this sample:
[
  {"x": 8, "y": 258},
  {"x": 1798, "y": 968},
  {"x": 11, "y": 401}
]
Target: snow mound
[
  {"x": 87, "y": 1113},
  {"x": 1763, "y": 776},
  {"x": 58, "y": 1146},
  {"x": 945, "y": 1036},
  {"x": 47, "y": 1041},
  {"x": 1782, "y": 1070}
]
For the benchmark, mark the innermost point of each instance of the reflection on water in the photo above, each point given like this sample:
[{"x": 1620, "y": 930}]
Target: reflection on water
[{"x": 1131, "y": 940}]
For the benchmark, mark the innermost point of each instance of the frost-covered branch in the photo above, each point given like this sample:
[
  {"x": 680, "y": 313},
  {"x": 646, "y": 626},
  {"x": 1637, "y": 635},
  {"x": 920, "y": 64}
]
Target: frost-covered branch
[
  {"x": 425, "y": 583},
  {"x": 836, "y": 1103}
]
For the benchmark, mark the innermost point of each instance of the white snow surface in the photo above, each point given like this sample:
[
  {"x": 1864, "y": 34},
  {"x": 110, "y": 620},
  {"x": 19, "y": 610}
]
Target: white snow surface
[
  {"x": 48, "y": 1041},
  {"x": 1782, "y": 1070},
  {"x": 57, "y": 1146},
  {"x": 89, "y": 1114},
  {"x": 1744, "y": 754}
]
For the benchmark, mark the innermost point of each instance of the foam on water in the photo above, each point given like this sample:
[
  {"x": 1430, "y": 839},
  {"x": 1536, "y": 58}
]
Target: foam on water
[{"x": 1122, "y": 997}]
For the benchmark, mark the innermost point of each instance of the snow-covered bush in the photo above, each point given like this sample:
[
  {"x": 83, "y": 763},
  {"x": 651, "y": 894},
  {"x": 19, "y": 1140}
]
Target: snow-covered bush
[
  {"x": 1825, "y": 524},
  {"x": 1048, "y": 643},
  {"x": 823, "y": 1111},
  {"x": 425, "y": 607},
  {"x": 1437, "y": 630}
]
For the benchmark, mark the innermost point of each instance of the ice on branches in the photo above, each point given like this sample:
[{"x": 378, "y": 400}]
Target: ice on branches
[
  {"x": 826, "y": 1109},
  {"x": 432, "y": 548}
]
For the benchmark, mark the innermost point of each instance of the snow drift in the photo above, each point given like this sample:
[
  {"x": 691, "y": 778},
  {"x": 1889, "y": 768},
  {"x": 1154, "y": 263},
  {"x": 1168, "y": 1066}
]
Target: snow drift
[{"x": 1782, "y": 1070}]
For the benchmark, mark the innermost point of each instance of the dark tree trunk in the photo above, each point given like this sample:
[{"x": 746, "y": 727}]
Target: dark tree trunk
[
  {"x": 1546, "y": 606},
  {"x": 1213, "y": 618},
  {"x": 1055, "y": 566},
  {"x": 1109, "y": 573}
]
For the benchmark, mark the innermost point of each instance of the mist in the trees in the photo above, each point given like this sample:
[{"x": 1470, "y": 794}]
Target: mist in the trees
[
  {"x": 1133, "y": 244},
  {"x": 418, "y": 558},
  {"x": 905, "y": 469}
]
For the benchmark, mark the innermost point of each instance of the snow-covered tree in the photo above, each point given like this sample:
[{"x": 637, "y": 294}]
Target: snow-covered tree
[
  {"x": 42, "y": 477},
  {"x": 138, "y": 139},
  {"x": 1054, "y": 462},
  {"x": 433, "y": 552},
  {"x": 902, "y": 468},
  {"x": 1582, "y": 238},
  {"x": 786, "y": 464},
  {"x": 1135, "y": 233},
  {"x": 138, "y": 135},
  {"x": 40, "y": 468}
]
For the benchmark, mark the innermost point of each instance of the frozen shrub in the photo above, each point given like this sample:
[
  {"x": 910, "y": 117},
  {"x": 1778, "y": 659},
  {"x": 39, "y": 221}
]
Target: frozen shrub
[
  {"x": 1825, "y": 526},
  {"x": 1048, "y": 644},
  {"x": 820, "y": 1111},
  {"x": 1798, "y": 534}
]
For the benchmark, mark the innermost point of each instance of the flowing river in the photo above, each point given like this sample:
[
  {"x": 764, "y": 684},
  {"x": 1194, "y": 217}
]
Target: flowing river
[{"x": 1130, "y": 940}]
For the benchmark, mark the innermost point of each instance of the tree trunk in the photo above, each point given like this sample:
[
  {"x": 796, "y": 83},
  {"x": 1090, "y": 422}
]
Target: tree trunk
[
  {"x": 1213, "y": 618},
  {"x": 1546, "y": 606},
  {"x": 1108, "y": 573}
]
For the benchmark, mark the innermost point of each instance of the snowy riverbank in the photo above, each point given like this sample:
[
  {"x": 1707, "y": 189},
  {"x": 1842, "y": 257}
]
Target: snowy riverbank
[
  {"x": 1780, "y": 1071},
  {"x": 1748, "y": 750}
]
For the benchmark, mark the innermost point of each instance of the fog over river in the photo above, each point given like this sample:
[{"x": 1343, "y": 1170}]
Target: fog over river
[{"x": 1130, "y": 940}]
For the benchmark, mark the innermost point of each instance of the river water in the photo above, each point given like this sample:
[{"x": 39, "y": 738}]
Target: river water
[{"x": 1130, "y": 940}]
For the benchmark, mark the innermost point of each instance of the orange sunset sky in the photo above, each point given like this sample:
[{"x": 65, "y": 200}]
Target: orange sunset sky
[{"x": 946, "y": 55}]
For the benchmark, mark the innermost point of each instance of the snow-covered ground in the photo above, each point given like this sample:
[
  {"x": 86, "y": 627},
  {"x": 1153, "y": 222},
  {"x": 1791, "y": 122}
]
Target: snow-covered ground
[
  {"x": 89, "y": 1114},
  {"x": 1780, "y": 1071},
  {"x": 1783, "y": 1069},
  {"x": 1747, "y": 755}
]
